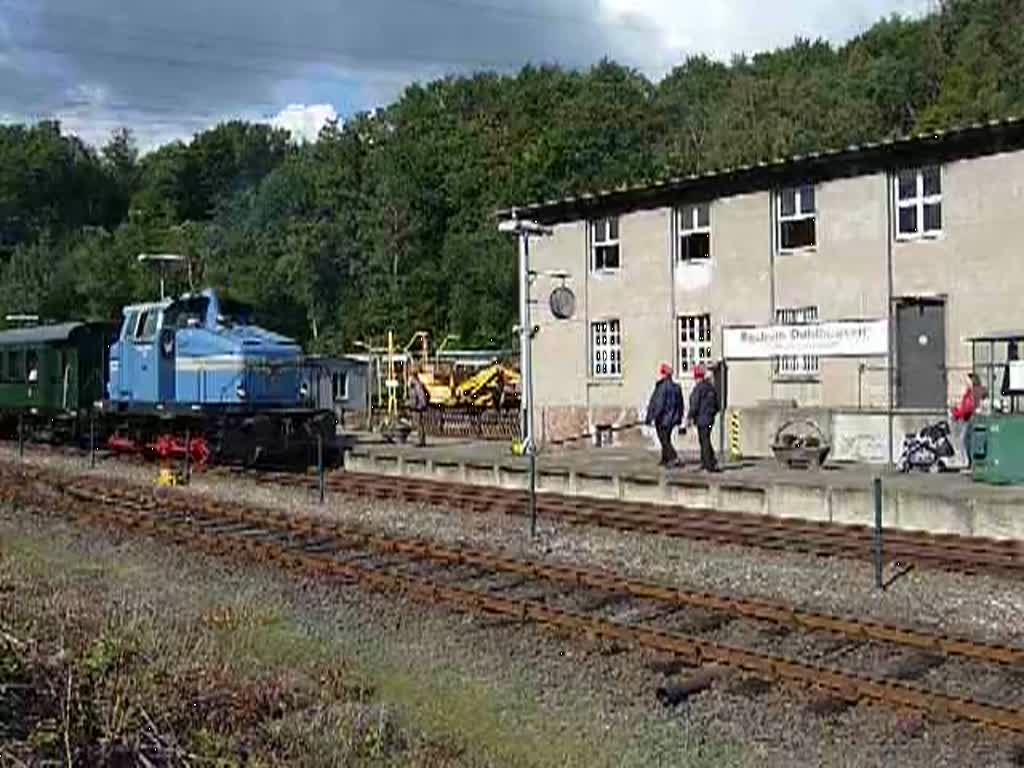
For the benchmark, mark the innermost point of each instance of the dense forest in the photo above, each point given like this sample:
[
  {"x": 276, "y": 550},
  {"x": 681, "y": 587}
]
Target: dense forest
[{"x": 387, "y": 221}]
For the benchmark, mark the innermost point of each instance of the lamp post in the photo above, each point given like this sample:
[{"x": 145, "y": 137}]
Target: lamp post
[
  {"x": 163, "y": 259},
  {"x": 524, "y": 229}
]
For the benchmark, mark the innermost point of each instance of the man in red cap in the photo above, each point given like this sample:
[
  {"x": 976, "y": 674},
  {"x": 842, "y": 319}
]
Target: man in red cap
[
  {"x": 665, "y": 413},
  {"x": 703, "y": 409}
]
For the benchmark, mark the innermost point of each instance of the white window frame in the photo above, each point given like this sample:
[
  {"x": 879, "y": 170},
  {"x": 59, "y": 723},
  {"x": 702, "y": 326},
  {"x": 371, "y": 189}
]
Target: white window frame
[
  {"x": 799, "y": 214},
  {"x": 801, "y": 367},
  {"x": 694, "y": 350},
  {"x": 335, "y": 377},
  {"x": 918, "y": 202},
  {"x": 606, "y": 349},
  {"x": 606, "y": 241},
  {"x": 688, "y": 223}
]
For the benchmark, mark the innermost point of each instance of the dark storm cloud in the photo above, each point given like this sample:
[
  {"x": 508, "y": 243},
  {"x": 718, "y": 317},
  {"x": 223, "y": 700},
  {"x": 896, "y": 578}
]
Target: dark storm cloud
[
  {"x": 201, "y": 56},
  {"x": 167, "y": 67}
]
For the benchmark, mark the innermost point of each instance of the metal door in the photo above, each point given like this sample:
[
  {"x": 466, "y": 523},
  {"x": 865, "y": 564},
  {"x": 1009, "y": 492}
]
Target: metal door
[{"x": 921, "y": 353}]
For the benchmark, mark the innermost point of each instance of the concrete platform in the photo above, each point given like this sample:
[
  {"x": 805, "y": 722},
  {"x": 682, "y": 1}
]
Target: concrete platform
[{"x": 948, "y": 503}]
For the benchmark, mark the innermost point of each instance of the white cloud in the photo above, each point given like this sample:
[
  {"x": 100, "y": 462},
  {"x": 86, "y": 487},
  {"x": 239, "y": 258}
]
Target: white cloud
[{"x": 304, "y": 121}]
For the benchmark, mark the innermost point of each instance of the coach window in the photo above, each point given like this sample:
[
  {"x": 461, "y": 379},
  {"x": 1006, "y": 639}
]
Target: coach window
[
  {"x": 16, "y": 369},
  {"x": 32, "y": 366}
]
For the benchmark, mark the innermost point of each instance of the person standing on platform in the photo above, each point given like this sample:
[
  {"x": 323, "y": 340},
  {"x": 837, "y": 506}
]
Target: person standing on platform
[
  {"x": 419, "y": 400},
  {"x": 665, "y": 413},
  {"x": 703, "y": 409},
  {"x": 965, "y": 409}
]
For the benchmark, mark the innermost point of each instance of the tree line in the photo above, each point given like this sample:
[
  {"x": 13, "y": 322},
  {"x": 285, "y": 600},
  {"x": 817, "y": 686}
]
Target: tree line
[{"x": 387, "y": 220}]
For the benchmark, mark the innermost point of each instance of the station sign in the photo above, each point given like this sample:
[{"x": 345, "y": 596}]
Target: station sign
[{"x": 843, "y": 338}]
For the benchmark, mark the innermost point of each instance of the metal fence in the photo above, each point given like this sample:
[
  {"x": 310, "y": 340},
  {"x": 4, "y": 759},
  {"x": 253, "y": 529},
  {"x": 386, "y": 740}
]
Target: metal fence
[{"x": 474, "y": 423}]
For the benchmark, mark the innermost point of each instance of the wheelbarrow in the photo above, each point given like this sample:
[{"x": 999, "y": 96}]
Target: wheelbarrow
[{"x": 800, "y": 444}]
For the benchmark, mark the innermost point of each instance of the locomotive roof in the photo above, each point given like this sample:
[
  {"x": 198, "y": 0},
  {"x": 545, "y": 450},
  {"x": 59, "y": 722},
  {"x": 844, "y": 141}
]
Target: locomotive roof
[{"x": 40, "y": 334}]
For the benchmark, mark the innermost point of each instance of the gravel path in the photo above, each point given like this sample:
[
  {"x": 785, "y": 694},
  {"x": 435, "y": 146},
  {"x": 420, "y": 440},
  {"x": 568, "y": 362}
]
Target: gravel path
[{"x": 774, "y": 726}]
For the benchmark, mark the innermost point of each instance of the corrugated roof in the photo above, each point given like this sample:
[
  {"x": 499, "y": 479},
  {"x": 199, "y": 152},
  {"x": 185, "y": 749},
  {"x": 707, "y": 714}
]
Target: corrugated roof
[
  {"x": 965, "y": 141},
  {"x": 40, "y": 334}
]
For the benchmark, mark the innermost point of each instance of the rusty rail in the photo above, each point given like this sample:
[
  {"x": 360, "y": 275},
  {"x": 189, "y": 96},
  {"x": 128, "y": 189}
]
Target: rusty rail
[{"x": 233, "y": 529}]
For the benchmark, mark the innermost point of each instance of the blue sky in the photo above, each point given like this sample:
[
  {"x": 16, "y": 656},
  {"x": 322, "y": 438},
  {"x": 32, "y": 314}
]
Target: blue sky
[{"x": 165, "y": 68}]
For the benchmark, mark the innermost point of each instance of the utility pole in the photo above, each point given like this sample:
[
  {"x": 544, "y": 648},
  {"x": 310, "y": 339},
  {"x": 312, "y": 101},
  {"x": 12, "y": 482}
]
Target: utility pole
[{"x": 523, "y": 229}]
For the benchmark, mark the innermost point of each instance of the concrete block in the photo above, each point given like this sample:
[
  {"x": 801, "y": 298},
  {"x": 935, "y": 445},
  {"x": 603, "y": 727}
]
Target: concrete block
[
  {"x": 387, "y": 464},
  {"x": 690, "y": 495},
  {"x": 450, "y": 471},
  {"x": 915, "y": 511},
  {"x": 734, "y": 498},
  {"x": 602, "y": 486},
  {"x": 483, "y": 474},
  {"x": 645, "y": 490},
  {"x": 359, "y": 462},
  {"x": 513, "y": 477},
  {"x": 998, "y": 520},
  {"x": 857, "y": 507},
  {"x": 422, "y": 468},
  {"x": 553, "y": 482},
  {"x": 800, "y": 501}
]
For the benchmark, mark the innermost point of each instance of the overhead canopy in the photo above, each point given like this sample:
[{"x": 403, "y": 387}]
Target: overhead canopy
[{"x": 40, "y": 334}]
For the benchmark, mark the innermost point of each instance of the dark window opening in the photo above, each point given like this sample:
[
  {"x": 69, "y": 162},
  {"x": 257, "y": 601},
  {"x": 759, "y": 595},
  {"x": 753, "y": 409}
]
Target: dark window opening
[
  {"x": 695, "y": 246},
  {"x": 187, "y": 313},
  {"x": 797, "y": 234}
]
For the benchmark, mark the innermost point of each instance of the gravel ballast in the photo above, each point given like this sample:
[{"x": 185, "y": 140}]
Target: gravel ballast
[{"x": 774, "y": 726}]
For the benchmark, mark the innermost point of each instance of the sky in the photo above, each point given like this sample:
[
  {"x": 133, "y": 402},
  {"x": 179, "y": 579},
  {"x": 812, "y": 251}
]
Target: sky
[{"x": 168, "y": 68}]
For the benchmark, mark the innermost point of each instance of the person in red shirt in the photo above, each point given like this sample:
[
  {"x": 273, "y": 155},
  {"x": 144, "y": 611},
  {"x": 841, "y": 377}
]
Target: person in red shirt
[{"x": 964, "y": 410}]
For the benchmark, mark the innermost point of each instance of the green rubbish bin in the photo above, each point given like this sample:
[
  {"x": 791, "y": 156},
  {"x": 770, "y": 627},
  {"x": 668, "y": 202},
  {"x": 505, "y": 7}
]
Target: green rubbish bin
[{"x": 997, "y": 449}]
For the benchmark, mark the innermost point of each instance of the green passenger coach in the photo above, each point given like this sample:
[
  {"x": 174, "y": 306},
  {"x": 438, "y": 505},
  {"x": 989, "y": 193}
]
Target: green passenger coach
[{"x": 50, "y": 378}]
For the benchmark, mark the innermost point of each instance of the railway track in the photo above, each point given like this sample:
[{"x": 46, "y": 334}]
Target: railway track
[
  {"x": 919, "y": 549},
  {"x": 949, "y": 552},
  {"x": 691, "y": 626}
]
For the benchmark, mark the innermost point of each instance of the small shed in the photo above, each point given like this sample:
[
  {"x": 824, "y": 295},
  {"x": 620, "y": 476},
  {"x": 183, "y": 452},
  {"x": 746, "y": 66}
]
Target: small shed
[{"x": 341, "y": 384}]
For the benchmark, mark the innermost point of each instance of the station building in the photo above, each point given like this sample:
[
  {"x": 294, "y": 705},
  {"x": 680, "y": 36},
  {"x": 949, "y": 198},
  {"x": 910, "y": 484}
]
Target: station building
[{"x": 925, "y": 232}]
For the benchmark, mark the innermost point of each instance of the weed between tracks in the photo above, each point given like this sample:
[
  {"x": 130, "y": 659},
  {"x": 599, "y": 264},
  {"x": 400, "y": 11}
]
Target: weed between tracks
[{"x": 112, "y": 657}]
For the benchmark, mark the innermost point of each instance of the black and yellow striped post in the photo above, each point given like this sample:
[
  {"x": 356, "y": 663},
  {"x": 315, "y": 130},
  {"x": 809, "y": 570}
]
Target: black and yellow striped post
[{"x": 735, "y": 451}]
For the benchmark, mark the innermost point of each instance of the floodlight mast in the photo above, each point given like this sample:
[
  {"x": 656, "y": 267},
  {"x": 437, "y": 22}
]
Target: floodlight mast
[
  {"x": 163, "y": 259},
  {"x": 524, "y": 229}
]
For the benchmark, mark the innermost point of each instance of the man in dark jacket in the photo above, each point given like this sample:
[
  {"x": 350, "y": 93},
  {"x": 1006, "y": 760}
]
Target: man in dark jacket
[
  {"x": 703, "y": 409},
  {"x": 419, "y": 399},
  {"x": 665, "y": 413}
]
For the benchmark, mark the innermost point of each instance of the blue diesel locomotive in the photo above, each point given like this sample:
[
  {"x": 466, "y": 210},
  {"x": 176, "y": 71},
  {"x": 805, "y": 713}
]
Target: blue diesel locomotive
[{"x": 195, "y": 375}]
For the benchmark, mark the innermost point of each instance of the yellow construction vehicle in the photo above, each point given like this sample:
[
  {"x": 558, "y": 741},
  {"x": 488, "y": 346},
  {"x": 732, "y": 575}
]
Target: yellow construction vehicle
[{"x": 489, "y": 387}]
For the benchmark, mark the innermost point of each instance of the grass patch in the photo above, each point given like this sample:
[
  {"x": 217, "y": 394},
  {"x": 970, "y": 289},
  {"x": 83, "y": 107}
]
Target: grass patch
[{"x": 116, "y": 655}]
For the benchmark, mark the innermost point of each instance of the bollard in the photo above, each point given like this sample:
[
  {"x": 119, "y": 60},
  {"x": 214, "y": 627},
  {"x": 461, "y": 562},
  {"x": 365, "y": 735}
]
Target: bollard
[
  {"x": 878, "y": 532},
  {"x": 320, "y": 467},
  {"x": 92, "y": 441},
  {"x": 21, "y": 436},
  {"x": 187, "y": 475}
]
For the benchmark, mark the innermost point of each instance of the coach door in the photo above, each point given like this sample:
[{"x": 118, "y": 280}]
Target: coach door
[{"x": 921, "y": 353}]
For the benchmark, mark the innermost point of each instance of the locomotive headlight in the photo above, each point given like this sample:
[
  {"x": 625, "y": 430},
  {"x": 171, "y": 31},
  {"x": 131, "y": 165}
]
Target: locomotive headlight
[
  {"x": 304, "y": 390},
  {"x": 240, "y": 391}
]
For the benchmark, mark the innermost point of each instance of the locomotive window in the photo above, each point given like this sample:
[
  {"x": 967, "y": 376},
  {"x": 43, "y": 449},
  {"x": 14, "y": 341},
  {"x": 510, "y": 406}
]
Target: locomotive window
[
  {"x": 234, "y": 313},
  {"x": 186, "y": 313},
  {"x": 131, "y": 324},
  {"x": 147, "y": 325}
]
